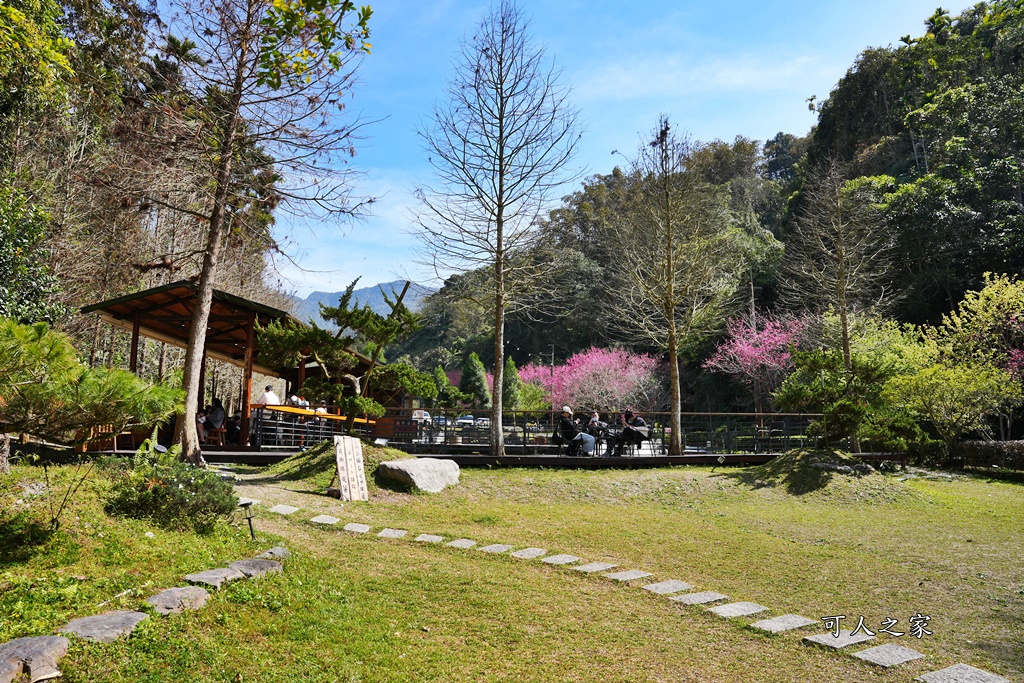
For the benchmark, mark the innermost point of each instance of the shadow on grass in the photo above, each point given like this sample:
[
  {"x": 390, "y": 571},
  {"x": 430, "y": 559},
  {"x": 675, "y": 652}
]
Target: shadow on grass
[
  {"x": 22, "y": 536},
  {"x": 793, "y": 471}
]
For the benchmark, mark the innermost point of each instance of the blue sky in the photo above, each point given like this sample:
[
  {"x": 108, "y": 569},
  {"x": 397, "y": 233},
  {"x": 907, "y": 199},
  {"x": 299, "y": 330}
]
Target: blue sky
[{"x": 719, "y": 69}]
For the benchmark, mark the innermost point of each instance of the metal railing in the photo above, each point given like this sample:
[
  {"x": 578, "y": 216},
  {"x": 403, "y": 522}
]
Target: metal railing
[
  {"x": 289, "y": 428},
  {"x": 535, "y": 432}
]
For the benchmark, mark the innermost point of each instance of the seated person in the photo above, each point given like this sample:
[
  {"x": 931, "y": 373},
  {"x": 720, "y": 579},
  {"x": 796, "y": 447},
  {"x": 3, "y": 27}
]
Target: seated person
[
  {"x": 569, "y": 431},
  {"x": 215, "y": 416},
  {"x": 634, "y": 431}
]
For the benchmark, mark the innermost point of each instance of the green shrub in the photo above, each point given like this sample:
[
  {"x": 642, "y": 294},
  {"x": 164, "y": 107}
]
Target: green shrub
[{"x": 172, "y": 493}]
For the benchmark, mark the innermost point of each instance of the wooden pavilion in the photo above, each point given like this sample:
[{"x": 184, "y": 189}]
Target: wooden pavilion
[{"x": 164, "y": 313}]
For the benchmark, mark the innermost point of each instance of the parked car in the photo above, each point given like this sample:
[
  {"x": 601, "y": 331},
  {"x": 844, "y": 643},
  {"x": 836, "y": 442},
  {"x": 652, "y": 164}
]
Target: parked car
[
  {"x": 465, "y": 421},
  {"x": 483, "y": 422},
  {"x": 440, "y": 421},
  {"x": 420, "y": 416}
]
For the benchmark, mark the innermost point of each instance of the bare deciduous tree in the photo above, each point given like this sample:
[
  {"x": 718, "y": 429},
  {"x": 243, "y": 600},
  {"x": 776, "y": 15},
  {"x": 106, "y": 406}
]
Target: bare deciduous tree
[
  {"x": 680, "y": 259},
  {"x": 840, "y": 252},
  {"x": 500, "y": 146}
]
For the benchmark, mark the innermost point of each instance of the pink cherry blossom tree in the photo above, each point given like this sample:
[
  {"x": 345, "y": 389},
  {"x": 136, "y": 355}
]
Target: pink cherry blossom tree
[
  {"x": 600, "y": 378},
  {"x": 761, "y": 357}
]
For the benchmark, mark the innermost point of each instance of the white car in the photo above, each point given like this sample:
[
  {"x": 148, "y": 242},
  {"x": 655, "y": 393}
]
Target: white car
[
  {"x": 465, "y": 421},
  {"x": 483, "y": 422},
  {"x": 420, "y": 416}
]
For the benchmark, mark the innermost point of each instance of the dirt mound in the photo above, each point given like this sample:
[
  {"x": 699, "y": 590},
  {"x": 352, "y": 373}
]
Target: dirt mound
[{"x": 316, "y": 466}]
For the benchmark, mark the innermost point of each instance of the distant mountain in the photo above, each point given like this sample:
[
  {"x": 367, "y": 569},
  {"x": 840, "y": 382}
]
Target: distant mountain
[{"x": 307, "y": 308}]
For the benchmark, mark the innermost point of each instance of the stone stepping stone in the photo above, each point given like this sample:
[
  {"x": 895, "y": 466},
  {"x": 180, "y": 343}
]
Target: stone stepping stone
[
  {"x": 276, "y": 553},
  {"x": 429, "y": 538},
  {"x": 215, "y": 577},
  {"x": 35, "y": 657},
  {"x": 242, "y": 500},
  {"x": 175, "y": 600},
  {"x": 356, "y": 528},
  {"x": 496, "y": 548},
  {"x": 392, "y": 533},
  {"x": 738, "y": 609},
  {"x": 325, "y": 519},
  {"x": 592, "y": 567},
  {"x": 529, "y": 553},
  {"x": 844, "y": 639},
  {"x": 256, "y": 568},
  {"x": 786, "y": 622},
  {"x": 961, "y": 673},
  {"x": 667, "y": 587},
  {"x": 106, "y": 627},
  {"x": 284, "y": 509},
  {"x": 560, "y": 559},
  {"x": 629, "y": 575},
  {"x": 888, "y": 655},
  {"x": 463, "y": 543},
  {"x": 701, "y": 598}
]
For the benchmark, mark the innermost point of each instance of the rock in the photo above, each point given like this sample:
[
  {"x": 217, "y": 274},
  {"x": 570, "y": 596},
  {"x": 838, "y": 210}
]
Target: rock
[
  {"x": 864, "y": 468},
  {"x": 429, "y": 538},
  {"x": 325, "y": 519},
  {"x": 529, "y": 553},
  {"x": 33, "y": 657},
  {"x": 392, "y": 533},
  {"x": 560, "y": 559},
  {"x": 215, "y": 577},
  {"x": 496, "y": 548},
  {"x": 175, "y": 600},
  {"x": 254, "y": 569},
  {"x": 592, "y": 567},
  {"x": 844, "y": 639},
  {"x": 284, "y": 509},
  {"x": 961, "y": 673},
  {"x": 275, "y": 553},
  {"x": 832, "y": 467},
  {"x": 106, "y": 627},
  {"x": 701, "y": 598},
  {"x": 150, "y": 534},
  {"x": 357, "y": 528},
  {"x": 461, "y": 543},
  {"x": 424, "y": 474},
  {"x": 34, "y": 489}
]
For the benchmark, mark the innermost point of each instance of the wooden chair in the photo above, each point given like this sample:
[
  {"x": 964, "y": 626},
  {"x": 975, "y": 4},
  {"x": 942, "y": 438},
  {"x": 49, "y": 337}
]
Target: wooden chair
[{"x": 215, "y": 436}]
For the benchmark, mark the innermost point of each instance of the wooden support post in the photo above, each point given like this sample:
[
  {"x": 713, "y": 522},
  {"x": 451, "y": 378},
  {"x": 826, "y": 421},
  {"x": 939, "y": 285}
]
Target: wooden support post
[
  {"x": 134, "y": 359},
  {"x": 250, "y": 344},
  {"x": 302, "y": 376}
]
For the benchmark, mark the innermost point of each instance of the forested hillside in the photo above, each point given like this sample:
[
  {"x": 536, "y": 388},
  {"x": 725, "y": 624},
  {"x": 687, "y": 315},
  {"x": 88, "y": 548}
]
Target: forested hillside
[{"x": 927, "y": 136}]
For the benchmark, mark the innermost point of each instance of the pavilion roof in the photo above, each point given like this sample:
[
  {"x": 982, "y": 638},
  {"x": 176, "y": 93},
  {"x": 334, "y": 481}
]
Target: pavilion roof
[{"x": 165, "y": 314}]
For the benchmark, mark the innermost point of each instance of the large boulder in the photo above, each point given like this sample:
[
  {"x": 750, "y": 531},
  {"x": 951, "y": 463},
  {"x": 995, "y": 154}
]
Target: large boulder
[
  {"x": 35, "y": 658},
  {"x": 426, "y": 474}
]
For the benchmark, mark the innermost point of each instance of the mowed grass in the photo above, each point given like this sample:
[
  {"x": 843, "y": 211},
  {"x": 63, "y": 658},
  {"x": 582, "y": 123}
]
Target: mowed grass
[{"x": 360, "y": 608}]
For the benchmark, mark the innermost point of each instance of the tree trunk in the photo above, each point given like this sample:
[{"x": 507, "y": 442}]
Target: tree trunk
[
  {"x": 185, "y": 431},
  {"x": 675, "y": 442},
  {"x": 497, "y": 399},
  {"x": 5, "y": 453}
]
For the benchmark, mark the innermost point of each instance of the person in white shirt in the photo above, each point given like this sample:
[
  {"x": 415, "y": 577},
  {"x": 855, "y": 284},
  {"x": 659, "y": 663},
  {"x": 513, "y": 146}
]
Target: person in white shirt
[{"x": 269, "y": 398}]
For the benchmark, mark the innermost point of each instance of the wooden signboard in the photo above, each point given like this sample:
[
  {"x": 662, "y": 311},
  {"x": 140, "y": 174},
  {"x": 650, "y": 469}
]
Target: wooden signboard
[{"x": 351, "y": 476}]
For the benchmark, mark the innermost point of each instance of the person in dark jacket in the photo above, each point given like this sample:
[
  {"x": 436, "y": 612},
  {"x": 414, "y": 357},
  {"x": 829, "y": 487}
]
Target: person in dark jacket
[{"x": 634, "y": 431}]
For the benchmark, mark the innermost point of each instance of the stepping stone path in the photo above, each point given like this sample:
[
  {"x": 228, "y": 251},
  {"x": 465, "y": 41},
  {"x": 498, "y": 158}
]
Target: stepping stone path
[
  {"x": 667, "y": 587},
  {"x": 961, "y": 673},
  {"x": 325, "y": 519},
  {"x": 429, "y": 538},
  {"x": 33, "y": 657},
  {"x": 356, "y": 528},
  {"x": 497, "y": 548},
  {"x": 275, "y": 553},
  {"x": 215, "y": 577},
  {"x": 392, "y": 533},
  {"x": 844, "y": 639},
  {"x": 250, "y": 501},
  {"x": 738, "y": 609},
  {"x": 701, "y": 598},
  {"x": 888, "y": 655},
  {"x": 786, "y": 622},
  {"x": 284, "y": 509},
  {"x": 561, "y": 559},
  {"x": 175, "y": 600},
  {"x": 106, "y": 627},
  {"x": 463, "y": 543},
  {"x": 254, "y": 569},
  {"x": 529, "y": 553},
  {"x": 592, "y": 567}
]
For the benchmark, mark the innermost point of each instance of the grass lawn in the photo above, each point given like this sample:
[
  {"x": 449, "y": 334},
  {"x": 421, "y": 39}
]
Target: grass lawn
[{"x": 361, "y": 608}]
